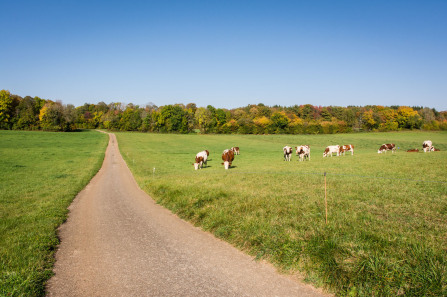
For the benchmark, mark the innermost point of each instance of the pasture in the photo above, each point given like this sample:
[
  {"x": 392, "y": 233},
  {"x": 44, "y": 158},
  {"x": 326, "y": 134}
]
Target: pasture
[
  {"x": 41, "y": 173},
  {"x": 387, "y": 213}
]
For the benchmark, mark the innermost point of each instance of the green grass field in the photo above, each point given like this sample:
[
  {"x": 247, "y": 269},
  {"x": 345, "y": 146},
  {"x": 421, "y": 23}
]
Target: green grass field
[
  {"x": 387, "y": 214},
  {"x": 41, "y": 173}
]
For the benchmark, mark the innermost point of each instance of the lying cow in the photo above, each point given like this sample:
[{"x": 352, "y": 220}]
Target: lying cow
[
  {"x": 347, "y": 148},
  {"x": 287, "y": 153},
  {"x": 303, "y": 151},
  {"x": 433, "y": 149},
  {"x": 413, "y": 151},
  {"x": 204, "y": 154},
  {"x": 235, "y": 150},
  {"x": 387, "y": 147},
  {"x": 227, "y": 157},
  {"x": 427, "y": 146},
  {"x": 331, "y": 150},
  {"x": 198, "y": 162}
]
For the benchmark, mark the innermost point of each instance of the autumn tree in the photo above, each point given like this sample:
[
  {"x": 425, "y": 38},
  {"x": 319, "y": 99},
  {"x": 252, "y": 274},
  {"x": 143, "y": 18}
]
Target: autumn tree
[
  {"x": 368, "y": 120},
  {"x": 51, "y": 117},
  {"x": 408, "y": 118}
]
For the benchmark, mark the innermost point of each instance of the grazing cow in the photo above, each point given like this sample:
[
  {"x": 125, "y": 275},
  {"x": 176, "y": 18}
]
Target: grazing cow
[
  {"x": 204, "y": 155},
  {"x": 227, "y": 157},
  {"x": 198, "y": 162},
  {"x": 435, "y": 149},
  {"x": 331, "y": 149},
  {"x": 427, "y": 145},
  {"x": 413, "y": 151},
  {"x": 303, "y": 151},
  {"x": 235, "y": 150},
  {"x": 347, "y": 148},
  {"x": 287, "y": 153},
  {"x": 387, "y": 147}
]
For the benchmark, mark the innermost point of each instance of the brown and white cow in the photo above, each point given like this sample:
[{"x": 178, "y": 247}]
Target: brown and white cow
[
  {"x": 227, "y": 158},
  {"x": 287, "y": 153},
  {"x": 303, "y": 151},
  {"x": 427, "y": 146},
  {"x": 331, "y": 149},
  {"x": 435, "y": 149},
  {"x": 235, "y": 150},
  {"x": 347, "y": 148},
  {"x": 204, "y": 154},
  {"x": 198, "y": 162},
  {"x": 387, "y": 147},
  {"x": 413, "y": 151}
]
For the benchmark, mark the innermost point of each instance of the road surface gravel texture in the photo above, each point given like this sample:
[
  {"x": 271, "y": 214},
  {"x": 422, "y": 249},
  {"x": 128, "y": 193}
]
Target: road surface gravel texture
[{"x": 118, "y": 242}]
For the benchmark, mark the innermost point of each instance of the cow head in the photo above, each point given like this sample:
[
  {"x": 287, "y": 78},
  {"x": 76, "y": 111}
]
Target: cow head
[
  {"x": 196, "y": 166},
  {"x": 226, "y": 164}
]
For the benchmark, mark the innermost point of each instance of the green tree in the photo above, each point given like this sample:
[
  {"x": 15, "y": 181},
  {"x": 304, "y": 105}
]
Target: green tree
[
  {"x": 172, "y": 117},
  {"x": 204, "y": 119},
  {"x": 27, "y": 114},
  {"x": 130, "y": 119},
  {"x": 279, "y": 121},
  {"x": 5, "y": 109}
]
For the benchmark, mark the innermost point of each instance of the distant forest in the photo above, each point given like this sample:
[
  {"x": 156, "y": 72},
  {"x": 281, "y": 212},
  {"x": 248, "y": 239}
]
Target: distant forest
[{"x": 30, "y": 113}]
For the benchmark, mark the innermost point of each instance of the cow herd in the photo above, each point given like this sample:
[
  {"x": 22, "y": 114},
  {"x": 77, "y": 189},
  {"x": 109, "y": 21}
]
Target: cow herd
[
  {"x": 227, "y": 157},
  {"x": 427, "y": 146},
  {"x": 303, "y": 151}
]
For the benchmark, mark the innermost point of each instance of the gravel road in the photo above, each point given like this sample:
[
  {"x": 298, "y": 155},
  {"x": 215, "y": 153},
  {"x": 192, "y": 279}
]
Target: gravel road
[{"x": 118, "y": 242}]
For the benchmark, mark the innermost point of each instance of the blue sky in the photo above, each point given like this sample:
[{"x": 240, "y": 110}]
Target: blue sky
[{"x": 227, "y": 53}]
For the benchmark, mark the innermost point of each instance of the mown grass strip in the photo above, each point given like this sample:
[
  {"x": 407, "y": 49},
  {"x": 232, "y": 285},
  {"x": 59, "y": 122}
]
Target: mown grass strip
[
  {"x": 41, "y": 173},
  {"x": 385, "y": 236}
]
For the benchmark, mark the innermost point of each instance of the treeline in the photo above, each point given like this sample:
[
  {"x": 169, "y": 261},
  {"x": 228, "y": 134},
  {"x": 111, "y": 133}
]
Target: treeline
[{"x": 34, "y": 113}]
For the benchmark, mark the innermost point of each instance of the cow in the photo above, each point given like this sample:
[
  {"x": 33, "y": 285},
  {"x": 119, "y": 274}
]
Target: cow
[
  {"x": 198, "y": 162},
  {"x": 303, "y": 151},
  {"x": 347, "y": 148},
  {"x": 435, "y": 149},
  {"x": 387, "y": 147},
  {"x": 331, "y": 149},
  {"x": 204, "y": 154},
  {"x": 413, "y": 151},
  {"x": 287, "y": 153},
  {"x": 227, "y": 157},
  {"x": 235, "y": 150},
  {"x": 427, "y": 146}
]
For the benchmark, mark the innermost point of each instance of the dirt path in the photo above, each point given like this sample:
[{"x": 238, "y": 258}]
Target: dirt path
[{"x": 118, "y": 242}]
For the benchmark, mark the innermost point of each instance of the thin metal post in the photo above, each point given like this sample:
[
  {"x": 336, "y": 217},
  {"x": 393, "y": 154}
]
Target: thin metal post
[{"x": 325, "y": 196}]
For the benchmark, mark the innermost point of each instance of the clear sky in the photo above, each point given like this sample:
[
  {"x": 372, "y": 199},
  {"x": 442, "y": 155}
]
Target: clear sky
[{"x": 227, "y": 53}]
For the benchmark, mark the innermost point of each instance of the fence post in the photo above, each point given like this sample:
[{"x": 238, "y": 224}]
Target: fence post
[{"x": 325, "y": 195}]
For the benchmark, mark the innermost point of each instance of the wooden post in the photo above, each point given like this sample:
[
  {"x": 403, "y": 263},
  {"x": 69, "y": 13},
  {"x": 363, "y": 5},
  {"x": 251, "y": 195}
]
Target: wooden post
[{"x": 325, "y": 196}]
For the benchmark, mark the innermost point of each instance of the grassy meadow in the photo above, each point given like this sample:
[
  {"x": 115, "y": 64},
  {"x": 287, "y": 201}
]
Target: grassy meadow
[
  {"x": 387, "y": 213},
  {"x": 41, "y": 173}
]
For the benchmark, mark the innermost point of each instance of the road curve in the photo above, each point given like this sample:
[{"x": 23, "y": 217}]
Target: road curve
[{"x": 118, "y": 242}]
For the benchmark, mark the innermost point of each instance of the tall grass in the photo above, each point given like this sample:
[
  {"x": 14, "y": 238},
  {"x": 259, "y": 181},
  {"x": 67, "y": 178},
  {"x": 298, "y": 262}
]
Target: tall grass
[
  {"x": 41, "y": 173},
  {"x": 387, "y": 224}
]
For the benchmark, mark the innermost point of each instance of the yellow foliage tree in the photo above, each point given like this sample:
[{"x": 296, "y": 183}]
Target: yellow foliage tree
[{"x": 262, "y": 121}]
